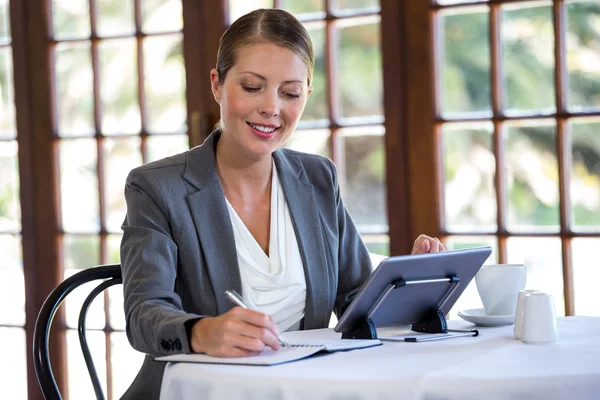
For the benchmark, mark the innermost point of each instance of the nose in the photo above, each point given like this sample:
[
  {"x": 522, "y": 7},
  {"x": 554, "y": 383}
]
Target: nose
[{"x": 269, "y": 106}]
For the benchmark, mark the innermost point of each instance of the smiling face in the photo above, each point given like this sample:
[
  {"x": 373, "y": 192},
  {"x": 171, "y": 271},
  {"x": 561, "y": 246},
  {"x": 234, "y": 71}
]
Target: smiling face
[{"x": 262, "y": 98}]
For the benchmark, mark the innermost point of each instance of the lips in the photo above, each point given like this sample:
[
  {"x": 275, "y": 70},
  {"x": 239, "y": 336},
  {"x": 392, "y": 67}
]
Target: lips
[{"x": 263, "y": 131}]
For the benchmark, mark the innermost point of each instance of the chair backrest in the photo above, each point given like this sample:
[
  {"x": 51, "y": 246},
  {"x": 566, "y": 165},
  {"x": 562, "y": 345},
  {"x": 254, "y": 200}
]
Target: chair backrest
[{"x": 111, "y": 274}]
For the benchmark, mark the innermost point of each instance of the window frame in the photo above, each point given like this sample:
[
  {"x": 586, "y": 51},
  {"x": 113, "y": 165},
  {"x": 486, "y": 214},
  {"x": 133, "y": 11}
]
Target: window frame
[
  {"x": 34, "y": 81},
  {"x": 423, "y": 123}
]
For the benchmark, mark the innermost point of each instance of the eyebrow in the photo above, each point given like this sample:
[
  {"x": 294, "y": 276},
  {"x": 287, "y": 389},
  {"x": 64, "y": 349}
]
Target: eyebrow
[{"x": 264, "y": 78}]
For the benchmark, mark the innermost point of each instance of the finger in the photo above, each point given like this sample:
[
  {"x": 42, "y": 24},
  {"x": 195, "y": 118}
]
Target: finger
[
  {"x": 275, "y": 327},
  {"x": 419, "y": 243},
  {"x": 417, "y": 248},
  {"x": 442, "y": 246},
  {"x": 252, "y": 338},
  {"x": 263, "y": 335},
  {"x": 252, "y": 317},
  {"x": 435, "y": 246},
  {"x": 237, "y": 325},
  {"x": 257, "y": 319},
  {"x": 424, "y": 248}
]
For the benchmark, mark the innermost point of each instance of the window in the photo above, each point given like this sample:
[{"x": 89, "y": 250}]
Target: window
[
  {"x": 517, "y": 111},
  {"x": 486, "y": 133},
  {"x": 12, "y": 287},
  {"x": 343, "y": 119},
  {"x": 120, "y": 101}
]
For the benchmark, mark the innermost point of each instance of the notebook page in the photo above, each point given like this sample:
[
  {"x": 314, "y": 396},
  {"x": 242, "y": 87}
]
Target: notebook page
[
  {"x": 267, "y": 357},
  {"x": 299, "y": 350},
  {"x": 338, "y": 344}
]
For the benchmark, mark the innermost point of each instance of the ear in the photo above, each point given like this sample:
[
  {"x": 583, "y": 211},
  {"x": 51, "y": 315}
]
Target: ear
[
  {"x": 215, "y": 86},
  {"x": 309, "y": 92}
]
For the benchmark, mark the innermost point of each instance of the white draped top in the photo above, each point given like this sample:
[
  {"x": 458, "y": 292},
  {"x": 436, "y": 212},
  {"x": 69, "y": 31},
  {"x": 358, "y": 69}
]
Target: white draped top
[{"x": 273, "y": 284}]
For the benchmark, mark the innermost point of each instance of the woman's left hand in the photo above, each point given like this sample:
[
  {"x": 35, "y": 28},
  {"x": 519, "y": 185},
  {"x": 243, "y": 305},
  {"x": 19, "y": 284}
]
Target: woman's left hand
[{"x": 426, "y": 244}]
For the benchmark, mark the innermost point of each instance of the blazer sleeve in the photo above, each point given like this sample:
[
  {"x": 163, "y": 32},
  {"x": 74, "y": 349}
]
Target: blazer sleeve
[
  {"x": 354, "y": 262},
  {"x": 155, "y": 319}
]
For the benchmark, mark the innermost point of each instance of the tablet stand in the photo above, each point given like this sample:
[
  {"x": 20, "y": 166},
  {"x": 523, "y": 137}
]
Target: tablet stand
[{"x": 433, "y": 322}]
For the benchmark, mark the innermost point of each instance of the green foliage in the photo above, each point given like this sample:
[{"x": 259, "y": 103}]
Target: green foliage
[{"x": 528, "y": 65}]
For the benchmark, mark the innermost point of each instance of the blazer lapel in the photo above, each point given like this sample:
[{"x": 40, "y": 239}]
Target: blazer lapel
[
  {"x": 211, "y": 218},
  {"x": 210, "y": 215},
  {"x": 302, "y": 203}
]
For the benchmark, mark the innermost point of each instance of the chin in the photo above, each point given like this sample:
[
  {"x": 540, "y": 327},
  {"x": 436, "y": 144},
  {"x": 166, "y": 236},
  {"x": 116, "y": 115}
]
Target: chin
[{"x": 262, "y": 151}]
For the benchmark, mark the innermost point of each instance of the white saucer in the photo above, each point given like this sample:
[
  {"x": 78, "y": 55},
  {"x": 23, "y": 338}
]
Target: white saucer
[{"x": 478, "y": 317}]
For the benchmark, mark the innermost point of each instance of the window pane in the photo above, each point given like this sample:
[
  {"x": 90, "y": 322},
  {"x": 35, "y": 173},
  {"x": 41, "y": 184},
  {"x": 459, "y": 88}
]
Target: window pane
[
  {"x": 125, "y": 361},
  {"x": 115, "y": 17},
  {"x": 12, "y": 284},
  {"x": 470, "y": 299},
  {"x": 79, "y": 185},
  {"x": 7, "y": 106},
  {"x": 468, "y": 242},
  {"x": 469, "y": 170},
  {"x": 164, "y": 80},
  {"x": 4, "y": 21},
  {"x": 117, "y": 308},
  {"x": 161, "y": 15},
  {"x": 113, "y": 245},
  {"x": 71, "y": 19},
  {"x": 364, "y": 171},
  {"x": 80, "y": 385},
  {"x": 458, "y": 1},
  {"x": 377, "y": 244},
  {"x": 466, "y": 67},
  {"x": 166, "y": 145},
  {"x": 316, "y": 106},
  {"x": 583, "y": 56},
  {"x": 528, "y": 56},
  {"x": 14, "y": 368},
  {"x": 543, "y": 258},
  {"x": 121, "y": 155},
  {"x": 359, "y": 68},
  {"x": 585, "y": 174},
  {"x": 82, "y": 252},
  {"x": 354, "y": 4},
  {"x": 117, "y": 313},
  {"x": 304, "y": 6},
  {"x": 119, "y": 87},
  {"x": 74, "y": 94},
  {"x": 238, "y": 8},
  {"x": 311, "y": 141},
  {"x": 585, "y": 276},
  {"x": 532, "y": 176},
  {"x": 10, "y": 210}
]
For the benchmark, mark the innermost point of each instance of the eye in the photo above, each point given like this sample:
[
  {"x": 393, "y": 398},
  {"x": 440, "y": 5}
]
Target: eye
[
  {"x": 292, "y": 95},
  {"x": 250, "y": 89}
]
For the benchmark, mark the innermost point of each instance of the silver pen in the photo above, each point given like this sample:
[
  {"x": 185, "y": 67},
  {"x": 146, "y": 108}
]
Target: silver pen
[{"x": 237, "y": 299}]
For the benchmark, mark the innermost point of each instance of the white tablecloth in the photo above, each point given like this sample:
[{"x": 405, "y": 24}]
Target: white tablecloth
[{"x": 491, "y": 366}]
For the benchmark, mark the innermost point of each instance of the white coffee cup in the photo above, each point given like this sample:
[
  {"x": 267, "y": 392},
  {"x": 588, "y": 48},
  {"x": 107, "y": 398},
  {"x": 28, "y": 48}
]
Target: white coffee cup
[
  {"x": 539, "y": 318},
  {"x": 519, "y": 312},
  {"x": 499, "y": 285}
]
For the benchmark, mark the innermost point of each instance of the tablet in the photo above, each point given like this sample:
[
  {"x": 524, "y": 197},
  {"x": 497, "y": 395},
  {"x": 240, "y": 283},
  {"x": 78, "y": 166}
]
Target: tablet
[{"x": 435, "y": 281}]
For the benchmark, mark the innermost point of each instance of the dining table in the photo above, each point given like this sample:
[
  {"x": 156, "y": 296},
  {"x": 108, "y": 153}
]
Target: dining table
[{"x": 492, "y": 365}]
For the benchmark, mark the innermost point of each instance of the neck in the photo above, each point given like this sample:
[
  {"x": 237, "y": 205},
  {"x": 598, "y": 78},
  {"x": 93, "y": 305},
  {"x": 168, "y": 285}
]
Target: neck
[{"x": 240, "y": 174}]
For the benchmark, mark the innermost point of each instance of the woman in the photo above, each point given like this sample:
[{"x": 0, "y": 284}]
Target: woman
[{"x": 240, "y": 213}]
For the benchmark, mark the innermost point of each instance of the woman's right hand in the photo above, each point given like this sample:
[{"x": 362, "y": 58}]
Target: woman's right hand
[{"x": 239, "y": 332}]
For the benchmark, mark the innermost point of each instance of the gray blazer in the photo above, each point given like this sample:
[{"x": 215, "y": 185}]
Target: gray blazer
[{"x": 178, "y": 250}]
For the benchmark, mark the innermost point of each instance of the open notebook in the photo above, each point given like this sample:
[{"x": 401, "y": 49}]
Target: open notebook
[{"x": 298, "y": 351}]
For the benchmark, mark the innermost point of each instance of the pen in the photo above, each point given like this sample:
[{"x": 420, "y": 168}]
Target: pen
[{"x": 237, "y": 299}]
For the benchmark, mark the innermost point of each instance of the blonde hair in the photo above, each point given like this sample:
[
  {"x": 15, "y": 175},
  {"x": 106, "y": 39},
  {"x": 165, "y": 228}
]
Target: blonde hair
[{"x": 270, "y": 25}]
